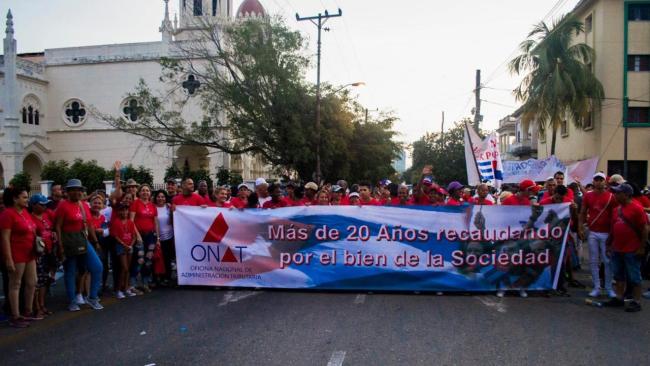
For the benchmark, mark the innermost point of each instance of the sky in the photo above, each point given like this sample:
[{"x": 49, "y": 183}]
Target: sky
[{"x": 417, "y": 58}]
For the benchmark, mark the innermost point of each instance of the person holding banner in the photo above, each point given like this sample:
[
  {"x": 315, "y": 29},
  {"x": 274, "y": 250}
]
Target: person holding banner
[
  {"x": 482, "y": 192},
  {"x": 276, "y": 200},
  {"x": 242, "y": 197},
  {"x": 187, "y": 197},
  {"x": 596, "y": 215},
  {"x": 365, "y": 197},
  {"x": 527, "y": 188}
]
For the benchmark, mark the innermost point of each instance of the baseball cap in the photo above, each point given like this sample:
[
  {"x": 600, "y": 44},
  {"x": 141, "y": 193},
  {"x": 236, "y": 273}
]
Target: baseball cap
[
  {"x": 454, "y": 186},
  {"x": 260, "y": 181},
  {"x": 384, "y": 182},
  {"x": 242, "y": 185},
  {"x": 623, "y": 188},
  {"x": 600, "y": 175},
  {"x": 38, "y": 199},
  {"x": 337, "y": 188},
  {"x": 616, "y": 179},
  {"x": 427, "y": 181},
  {"x": 526, "y": 184},
  {"x": 354, "y": 194},
  {"x": 311, "y": 185}
]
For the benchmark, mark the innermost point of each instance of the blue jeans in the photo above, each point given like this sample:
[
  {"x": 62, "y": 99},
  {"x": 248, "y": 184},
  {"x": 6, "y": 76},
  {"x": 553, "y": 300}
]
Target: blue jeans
[
  {"x": 89, "y": 262},
  {"x": 626, "y": 266}
]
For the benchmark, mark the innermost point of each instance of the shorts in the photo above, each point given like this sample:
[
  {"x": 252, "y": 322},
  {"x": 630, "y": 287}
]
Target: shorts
[
  {"x": 45, "y": 264},
  {"x": 122, "y": 250},
  {"x": 626, "y": 266}
]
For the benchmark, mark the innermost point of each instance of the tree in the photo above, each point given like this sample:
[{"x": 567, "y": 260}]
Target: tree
[
  {"x": 445, "y": 152},
  {"x": 140, "y": 174},
  {"x": 21, "y": 180},
  {"x": 223, "y": 176},
  {"x": 560, "y": 84},
  {"x": 56, "y": 171},
  {"x": 92, "y": 176}
]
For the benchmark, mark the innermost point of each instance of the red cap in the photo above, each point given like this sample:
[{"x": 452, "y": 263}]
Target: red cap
[{"x": 526, "y": 184}]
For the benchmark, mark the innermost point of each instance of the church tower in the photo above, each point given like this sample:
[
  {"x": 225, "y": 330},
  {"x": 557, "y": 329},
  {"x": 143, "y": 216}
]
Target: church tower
[{"x": 194, "y": 14}]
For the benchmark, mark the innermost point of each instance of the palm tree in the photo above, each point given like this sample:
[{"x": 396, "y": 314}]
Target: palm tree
[{"x": 560, "y": 84}]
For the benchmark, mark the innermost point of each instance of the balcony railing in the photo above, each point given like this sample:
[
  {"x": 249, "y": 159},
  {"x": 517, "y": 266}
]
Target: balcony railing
[{"x": 522, "y": 148}]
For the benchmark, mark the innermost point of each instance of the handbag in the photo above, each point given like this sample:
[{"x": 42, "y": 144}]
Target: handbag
[
  {"x": 76, "y": 243},
  {"x": 39, "y": 245}
]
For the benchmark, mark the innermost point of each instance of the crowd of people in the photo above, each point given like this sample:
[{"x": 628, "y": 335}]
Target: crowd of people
[{"x": 128, "y": 234}]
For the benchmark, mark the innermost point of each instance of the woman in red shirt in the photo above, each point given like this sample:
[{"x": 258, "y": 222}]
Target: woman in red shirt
[
  {"x": 18, "y": 234},
  {"x": 144, "y": 214},
  {"x": 46, "y": 264},
  {"x": 219, "y": 198}
]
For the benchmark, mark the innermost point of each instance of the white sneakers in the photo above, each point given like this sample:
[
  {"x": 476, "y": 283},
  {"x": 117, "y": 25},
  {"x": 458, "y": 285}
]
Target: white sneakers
[
  {"x": 522, "y": 293},
  {"x": 94, "y": 303},
  {"x": 611, "y": 294},
  {"x": 130, "y": 293},
  {"x": 501, "y": 293},
  {"x": 120, "y": 295},
  {"x": 80, "y": 299},
  {"x": 595, "y": 292}
]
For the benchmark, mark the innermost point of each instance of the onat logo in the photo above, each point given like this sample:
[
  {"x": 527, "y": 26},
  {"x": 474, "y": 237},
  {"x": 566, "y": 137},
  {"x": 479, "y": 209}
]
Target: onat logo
[{"x": 217, "y": 230}]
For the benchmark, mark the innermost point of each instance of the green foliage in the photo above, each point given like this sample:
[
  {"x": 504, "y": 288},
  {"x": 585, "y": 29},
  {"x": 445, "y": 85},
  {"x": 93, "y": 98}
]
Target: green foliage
[
  {"x": 140, "y": 174},
  {"x": 92, "y": 176},
  {"x": 21, "y": 181},
  {"x": 223, "y": 176},
  {"x": 445, "y": 152},
  {"x": 236, "y": 179},
  {"x": 200, "y": 174},
  {"x": 559, "y": 80},
  {"x": 56, "y": 171},
  {"x": 172, "y": 172}
]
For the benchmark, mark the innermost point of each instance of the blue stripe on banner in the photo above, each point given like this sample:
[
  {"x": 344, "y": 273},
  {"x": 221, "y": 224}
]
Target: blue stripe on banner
[
  {"x": 486, "y": 170},
  {"x": 488, "y": 177},
  {"x": 485, "y": 163}
]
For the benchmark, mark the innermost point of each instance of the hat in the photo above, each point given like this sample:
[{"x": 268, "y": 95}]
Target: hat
[
  {"x": 623, "y": 188},
  {"x": 131, "y": 183},
  {"x": 311, "y": 185},
  {"x": 454, "y": 186},
  {"x": 260, "y": 181},
  {"x": 242, "y": 185},
  {"x": 384, "y": 182},
  {"x": 38, "y": 199},
  {"x": 550, "y": 178},
  {"x": 427, "y": 181},
  {"x": 74, "y": 184},
  {"x": 526, "y": 184},
  {"x": 171, "y": 180},
  {"x": 617, "y": 179},
  {"x": 354, "y": 194},
  {"x": 337, "y": 189},
  {"x": 600, "y": 175}
]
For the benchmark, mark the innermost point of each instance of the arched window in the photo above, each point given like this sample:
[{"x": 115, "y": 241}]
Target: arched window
[
  {"x": 24, "y": 115},
  {"x": 30, "y": 115},
  {"x": 198, "y": 8},
  {"x": 37, "y": 118},
  {"x": 31, "y": 106}
]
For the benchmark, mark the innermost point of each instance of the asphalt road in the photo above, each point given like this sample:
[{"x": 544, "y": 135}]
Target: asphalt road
[{"x": 204, "y": 326}]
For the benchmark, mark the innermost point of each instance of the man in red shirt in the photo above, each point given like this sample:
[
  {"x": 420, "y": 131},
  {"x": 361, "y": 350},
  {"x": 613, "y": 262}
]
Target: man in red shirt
[
  {"x": 365, "y": 195},
  {"x": 241, "y": 201},
  {"x": 560, "y": 195},
  {"x": 526, "y": 188},
  {"x": 188, "y": 197},
  {"x": 629, "y": 234},
  {"x": 596, "y": 215},
  {"x": 482, "y": 191},
  {"x": 276, "y": 200}
]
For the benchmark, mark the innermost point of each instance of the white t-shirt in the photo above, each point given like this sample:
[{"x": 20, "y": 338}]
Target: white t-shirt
[{"x": 164, "y": 223}]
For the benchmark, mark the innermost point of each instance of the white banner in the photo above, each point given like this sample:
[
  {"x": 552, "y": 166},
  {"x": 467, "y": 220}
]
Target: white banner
[
  {"x": 540, "y": 170},
  {"x": 482, "y": 158}
]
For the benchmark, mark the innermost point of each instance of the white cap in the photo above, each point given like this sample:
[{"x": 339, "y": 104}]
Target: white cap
[
  {"x": 260, "y": 181},
  {"x": 550, "y": 178},
  {"x": 354, "y": 194},
  {"x": 600, "y": 175}
]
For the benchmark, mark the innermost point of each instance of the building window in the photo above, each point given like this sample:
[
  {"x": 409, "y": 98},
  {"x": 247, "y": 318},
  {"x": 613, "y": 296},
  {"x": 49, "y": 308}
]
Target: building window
[
  {"x": 564, "y": 129},
  {"x": 30, "y": 115},
  {"x": 638, "y": 12},
  {"x": 191, "y": 84},
  {"x": 37, "y": 118},
  {"x": 214, "y": 7},
  {"x": 638, "y": 63},
  {"x": 131, "y": 110},
  {"x": 636, "y": 170},
  {"x": 29, "y": 112},
  {"x": 74, "y": 113},
  {"x": 588, "y": 24},
  {"x": 638, "y": 115},
  {"x": 589, "y": 122},
  {"x": 198, "y": 8},
  {"x": 24, "y": 112}
]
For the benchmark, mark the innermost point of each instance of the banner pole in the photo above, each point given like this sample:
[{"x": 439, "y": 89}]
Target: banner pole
[{"x": 471, "y": 146}]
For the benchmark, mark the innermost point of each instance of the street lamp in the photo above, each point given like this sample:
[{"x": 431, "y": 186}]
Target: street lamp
[{"x": 318, "y": 102}]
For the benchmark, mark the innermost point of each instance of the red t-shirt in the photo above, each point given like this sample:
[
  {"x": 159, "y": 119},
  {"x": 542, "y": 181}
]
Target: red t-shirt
[
  {"x": 238, "y": 203},
  {"x": 549, "y": 200},
  {"x": 44, "y": 227},
  {"x": 97, "y": 222},
  {"x": 642, "y": 200},
  {"x": 372, "y": 202},
  {"x": 480, "y": 202},
  {"x": 422, "y": 200},
  {"x": 291, "y": 202},
  {"x": 514, "y": 200},
  {"x": 270, "y": 204},
  {"x": 569, "y": 195},
  {"x": 453, "y": 202},
  {"x": 595, "y": 202},
  {"x": 145, "y": 216},
  {"x": 125, "y": 231},
  {"x": 192, "y": 200},
  {"x": 625, "y": 239},
  {"x": 73, "y": 221},
  {"x": 306, "y": 202},
  {"x": 22, "y": 229}
]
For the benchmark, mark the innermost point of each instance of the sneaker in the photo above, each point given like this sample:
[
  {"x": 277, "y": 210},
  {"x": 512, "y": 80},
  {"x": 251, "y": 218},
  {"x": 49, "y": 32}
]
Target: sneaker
[
  {"x": 129, "y": 293},
  {"x": 18, "y": 323},
  {"x": 595, "y": 292},
  {"x": 94, "y": 303},
  {"x": 31, "y": 318},
  {"x": 501, "y": 293},
  {"x": 73, "y": 307},
  {"x": 646, "y": 294},
  {"x": 614, "y": 303},
  {"x": 611, "y": 294},
  {"x": 523, "y": 293},
  {"x": 633, "y": 307},
  {"x": 120, "y": 295},
  {"x": 80, "y": 299},
  {"x": 136, "y": 291}
]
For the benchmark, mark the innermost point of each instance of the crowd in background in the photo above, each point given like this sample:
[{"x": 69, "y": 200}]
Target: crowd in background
[{"x": 128, "y": 235}]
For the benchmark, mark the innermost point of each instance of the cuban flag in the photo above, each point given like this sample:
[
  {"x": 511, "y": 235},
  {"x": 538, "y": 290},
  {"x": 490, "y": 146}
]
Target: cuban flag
[{"x": 483, "y": 158}]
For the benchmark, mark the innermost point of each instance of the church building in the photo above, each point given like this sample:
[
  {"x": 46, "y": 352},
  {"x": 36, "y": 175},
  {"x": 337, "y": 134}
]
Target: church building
[{"x": 47, "y": 98}]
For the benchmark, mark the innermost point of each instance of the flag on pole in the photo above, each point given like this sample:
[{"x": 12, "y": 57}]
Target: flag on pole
[{"x": 483, "y": 158}]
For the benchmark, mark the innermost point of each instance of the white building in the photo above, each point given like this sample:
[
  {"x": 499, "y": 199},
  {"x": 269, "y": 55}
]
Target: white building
[{"x": 46, "y": 99}]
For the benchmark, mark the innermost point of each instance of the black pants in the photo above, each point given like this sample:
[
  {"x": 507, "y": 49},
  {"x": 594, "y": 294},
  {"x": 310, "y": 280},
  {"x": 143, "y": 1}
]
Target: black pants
[
  {"x": 6, "y": 309},
  {"x": 169, "y": 254},
  {"x": 107, "y": 255}
]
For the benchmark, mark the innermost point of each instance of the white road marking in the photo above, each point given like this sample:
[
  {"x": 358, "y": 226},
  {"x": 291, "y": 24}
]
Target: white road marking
[
  {"x": 234, "y": 296},
  {"x": 337, "y": 358},
  {"x": 360, "y": 299},
  {"x": 493, "y": 303}
]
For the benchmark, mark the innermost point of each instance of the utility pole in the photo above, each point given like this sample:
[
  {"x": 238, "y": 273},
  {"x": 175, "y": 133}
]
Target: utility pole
[
  {"x": 477, "y": 93},
  {"x": 373, "y": 110},
  {"x": 318, "y": 20},
  {"x": 442, "y": 126}
]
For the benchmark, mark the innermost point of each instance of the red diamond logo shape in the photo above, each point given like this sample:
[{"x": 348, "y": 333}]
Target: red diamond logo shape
[
  {"x": 229, "y": 257},
  {"x": 217, "y": 230}
]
